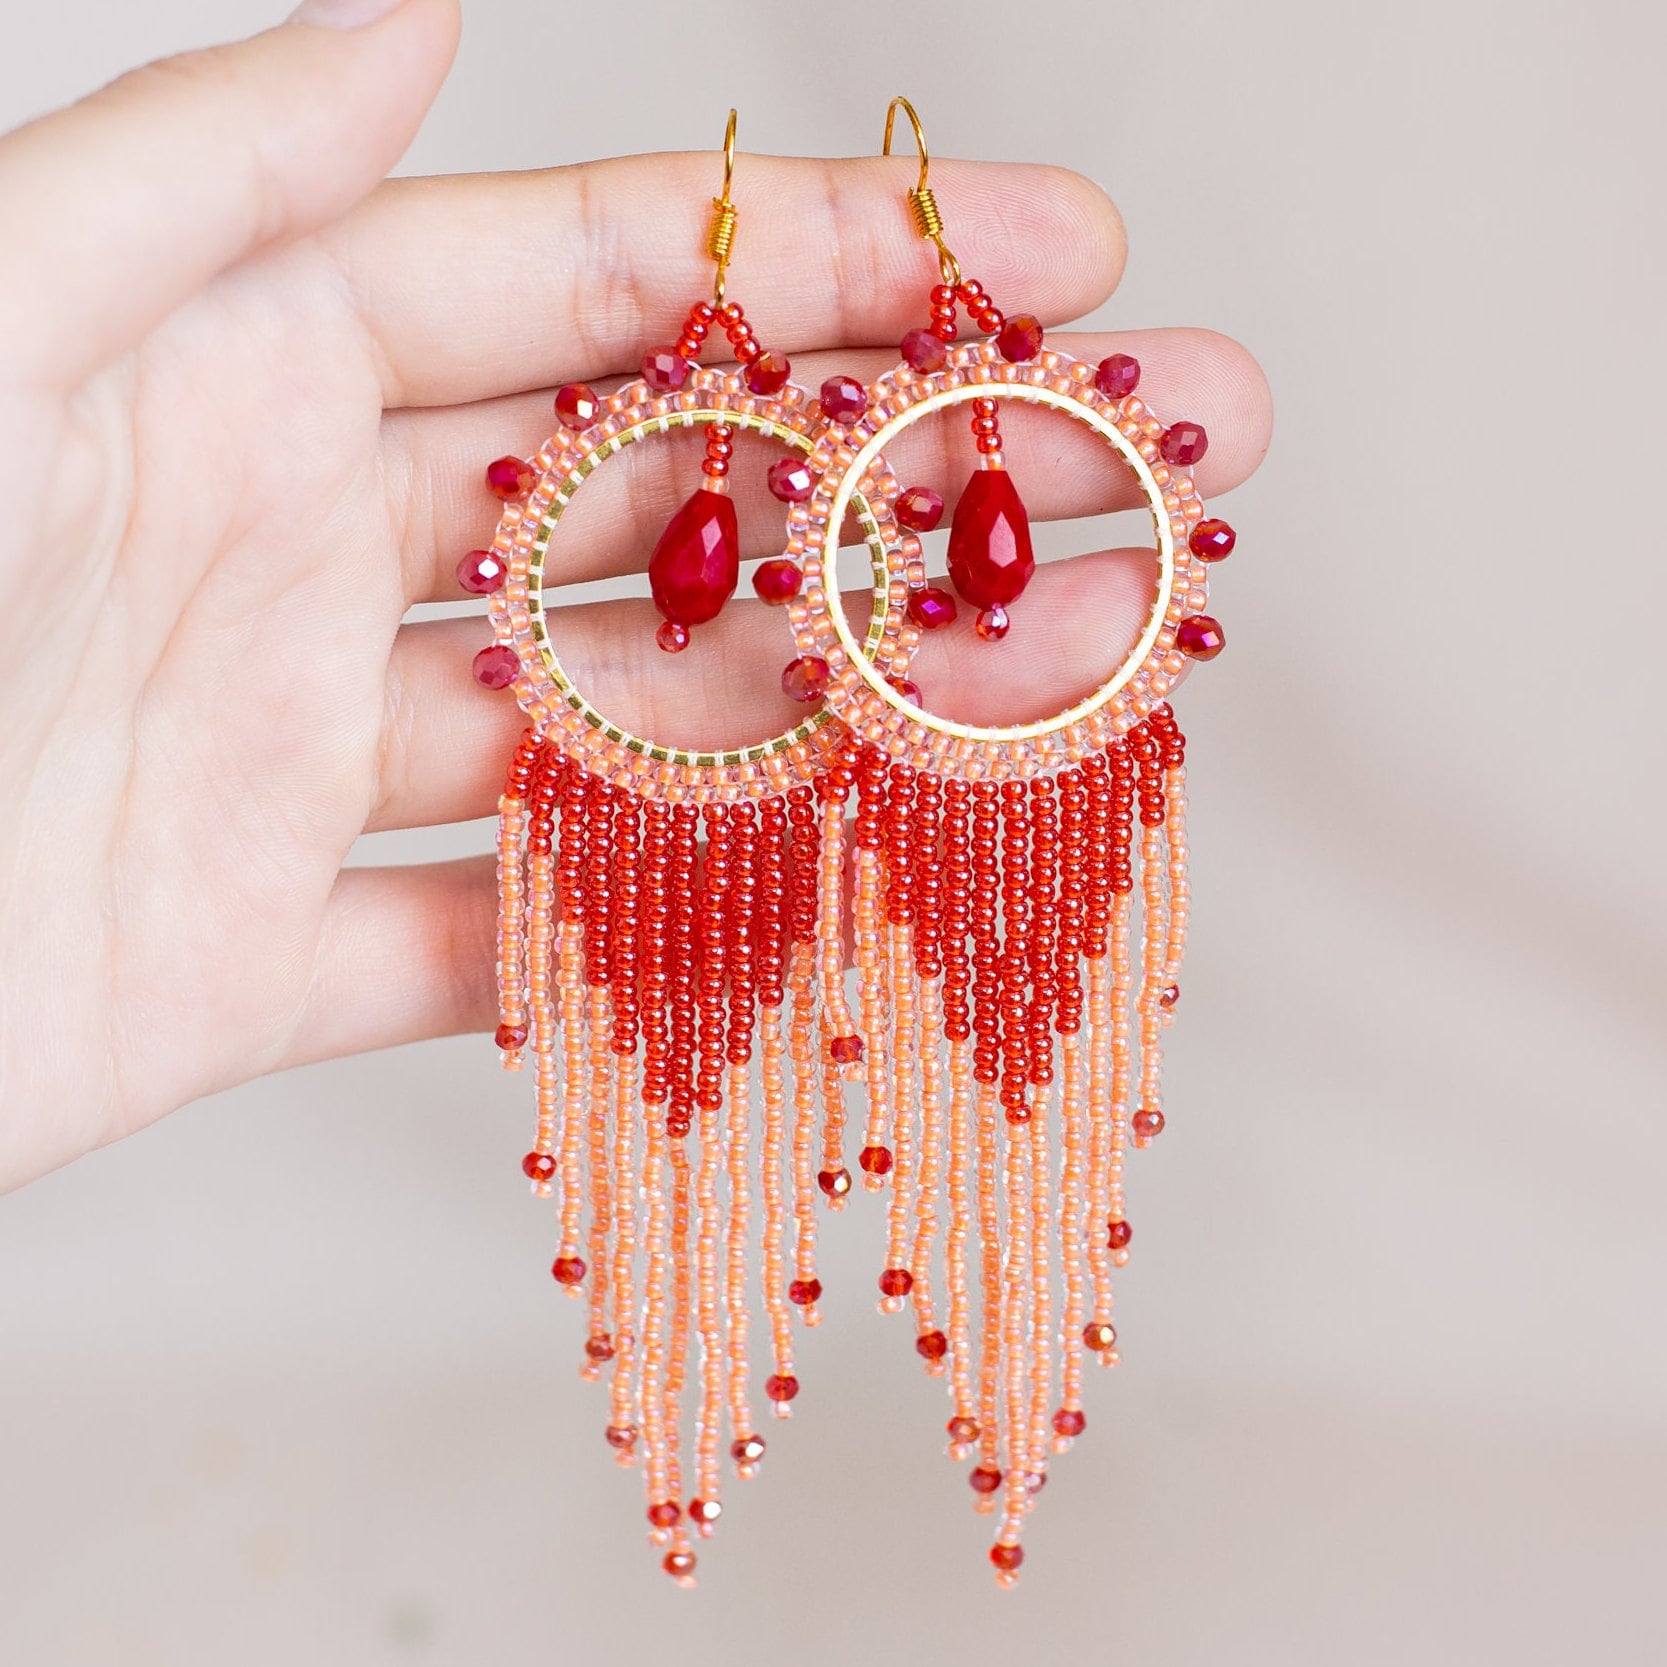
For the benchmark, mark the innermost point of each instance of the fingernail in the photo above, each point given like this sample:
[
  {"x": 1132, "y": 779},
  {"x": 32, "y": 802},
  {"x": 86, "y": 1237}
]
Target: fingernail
[{"x": 343, "y": 14}]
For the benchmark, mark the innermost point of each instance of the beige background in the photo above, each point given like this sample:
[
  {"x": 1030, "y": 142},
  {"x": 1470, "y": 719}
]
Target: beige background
[{"x": 281, "y": 1380}]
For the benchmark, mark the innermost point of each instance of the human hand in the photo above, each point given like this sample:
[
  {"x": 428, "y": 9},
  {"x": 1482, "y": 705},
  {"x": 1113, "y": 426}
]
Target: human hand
[{"x": 246, "y": 393}]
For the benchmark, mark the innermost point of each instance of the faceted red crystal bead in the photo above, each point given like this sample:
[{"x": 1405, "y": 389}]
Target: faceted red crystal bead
[
  {"x": 568, "y": 1270},
  {"x": 777, "y": 581},
  {"x": 990, "y": 558},
  {"x": 781, "y": 1386},
  {"x": 1117, "y": 376},
  {"x": 664, "y": 369},
  {"x": 803, "y": 1292},
  {"x": 835, "y": 1182},
  {"x": 984, "y": 1478},
  {"x": 1068, "y": 1421},
  {"x": 1099, "y": 1336},
  {"x": 495, "y": 667},
  {"x": 993, "y": 624},
  {"x": 931, "y": 1345},
  {"x": 1020, "y": 338},
  {"x": 697, "y": 562},
  {"x": 665, "y": 1514},
  {"x": 1183, "y": 444},
  {"x": 790, "y": 479},
  {"x": 1007, "y": 1558},
  {"x": 577, "y": 406},
  {"x": 599, "y": 1348},
  {"x": 1168, "y": 996},
  {"x": 932, "y": 608},
  {"x": 1200, "y": 637},
  {"x": 1118, "y": 1235},
  {"x": 962, "y": 1430},
  {"x": 805, "y": 679},
  {"x": 749, "y": 1449},
  {"x": 908, "y": 689},
  {"x": 846, "y": 1050},
  {"x": 672, "y": 636},
  {"x": 1212, "y": 540},
  {"x": 875, "y": 1160},
  {"x": 1147, "y": 1123},
  {"x": 705, "y": 1510},
  {"x": 481, "y": 572},
  {"x": 621, "y": 1437},
  {"x": 680, "y": 1565},
  {"x": 538, "y": 1166},
  {"x": 919, "y": 509},
  {"x": 768, "y": 373},
  {"x": 510, "y": 478},
  {"x": 924, "y": 352},
  {"x": 844, "y": 399},
  {"x": 511, "y": 1036},
  {"x": 896, "y": 1282}
]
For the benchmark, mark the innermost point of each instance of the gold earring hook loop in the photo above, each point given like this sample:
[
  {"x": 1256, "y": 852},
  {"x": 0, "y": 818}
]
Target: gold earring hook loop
[
  {"x": 720, "y": 240},
  {"x": 923, "y": 204}
]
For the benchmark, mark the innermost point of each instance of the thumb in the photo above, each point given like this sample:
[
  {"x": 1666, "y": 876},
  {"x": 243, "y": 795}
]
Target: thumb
[{"x": 127, "y": 203}]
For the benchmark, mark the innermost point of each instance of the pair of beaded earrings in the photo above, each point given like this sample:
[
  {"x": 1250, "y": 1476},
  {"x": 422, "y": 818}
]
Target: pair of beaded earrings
[{"x": 672, "y": 926}]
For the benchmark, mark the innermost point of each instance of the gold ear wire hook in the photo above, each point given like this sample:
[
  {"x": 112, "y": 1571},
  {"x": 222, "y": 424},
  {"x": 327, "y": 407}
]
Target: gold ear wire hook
[
  {"x": 922, "y": 203},
  {"x": 721, "y": 238}
]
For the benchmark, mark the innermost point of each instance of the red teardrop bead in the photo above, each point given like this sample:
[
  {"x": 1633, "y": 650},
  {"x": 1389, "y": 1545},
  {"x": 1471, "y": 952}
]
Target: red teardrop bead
[
  {"x": 990, "y": 559},
  {"x": 694, "y": 568}
]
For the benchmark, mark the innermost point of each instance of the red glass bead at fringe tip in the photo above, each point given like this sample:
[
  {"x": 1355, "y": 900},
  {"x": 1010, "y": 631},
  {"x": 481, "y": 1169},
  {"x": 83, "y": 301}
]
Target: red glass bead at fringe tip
[
  {"x": 781, "y": 1386},
  {"x": 984, "y": 1478},
  {"x": 705, "y": 1510},
  {"x": 962, "y": 1430},
  {"x": 768, "y": 374},
  {"x": 993, "y": 624},
  {"x": 666, "y": 1514},
  {"x": 511, "y": 1036},
  {"x": 1117, "y": 375},
  {"x": 1068, "y": 1421},
  {"x": 1020, "y": 338},
  {"x": 919, "y": 509},
  {"x": 790, "y": 479},
  {"x": 805, "y": 679},
  {"x": 803, "y": 1292},
  {"x": 621, "y": 1437},
  {"x": 777, "y": 581},
  {"x": 538, "y": 1166},
  {"x": 924, "y": 352},
  {"x": 664, "y": 369},
  {"x": 1099, "y": 1336},
  {"x": 1199, "y": 637},
  {"x": 696, "y": 564},
  {"x": 990, "y": 555},
  {"x": 931, "y": 1345},
  {"x": 932, "y": 608},
  {"x": 896, "y": 1282},
  {"x": 680, "y": 1565},
  {"x": 599, "y": 1348},
  {"x": 1169, "y": 996},
  {"x": 577, "y": 407},
  {"x": 481, "y": 572},
  {"x": 1007, "y": 1558},
  {"x": 495, "y": 667},
  {"x": 834, "y": 1182},
  {"x": 1212, "y": 541},
  {"x": 1147, "y": 1124},
  {"x": 875, "y": 1160},
  {"x": 747, "y": 1449},
  {"x": 672, "y": 637},
  {"x": 1183, "y": 444},
  {"x": 568, "y": 1270},
  {"x": 1118, "y": 1235},
  {"x": 510, "y": 478},
  {"x": 844, "y": 399}
]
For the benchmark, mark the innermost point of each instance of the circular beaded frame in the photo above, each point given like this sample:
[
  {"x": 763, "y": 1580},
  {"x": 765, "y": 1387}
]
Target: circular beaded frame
[
  {"x": 545, "y": 691},
  {"x": 860, "y": 693}
]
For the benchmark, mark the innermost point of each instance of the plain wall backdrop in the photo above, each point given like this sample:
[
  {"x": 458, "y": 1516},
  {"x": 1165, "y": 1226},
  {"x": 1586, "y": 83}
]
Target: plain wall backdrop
[{"x": 282, "y": 1379}]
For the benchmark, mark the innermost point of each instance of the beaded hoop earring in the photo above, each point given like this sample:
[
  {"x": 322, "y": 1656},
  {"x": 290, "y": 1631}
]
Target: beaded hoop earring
[
  {"x": 994, "y": 886},
  {"x": 641, "y": 972}
]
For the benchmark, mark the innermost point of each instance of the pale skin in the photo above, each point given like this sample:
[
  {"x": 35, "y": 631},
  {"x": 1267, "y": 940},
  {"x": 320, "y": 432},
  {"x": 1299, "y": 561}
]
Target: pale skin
[{"x": 246, "y": 393}]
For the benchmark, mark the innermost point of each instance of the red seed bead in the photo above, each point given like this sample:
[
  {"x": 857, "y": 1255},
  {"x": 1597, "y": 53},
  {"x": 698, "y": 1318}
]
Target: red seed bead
[
  {"x": 919, "y": 509},
  {"x": 1099, "y": 1336},
  {"x": 803, "y": 1292},
  {"x": 993, "y": 624},
  {"x": 1118, "y": 375},
  {"x": 931, "y": 1345},
  {"x": 1068, "y": 1421},
  {"x": 510, "y": 478},
  {"x": 984, "y": 1478},
  {"x": 805, "y": 679},
  {"x": 1118, "y": 1234},
  {"x": 1199, "y": 637},
  {"x": 577, "y": 405},
  {"x": 568, "y": 1270},
  {"x": 672, "y": 636},
  {"x": 1212, "y": 540},
  {"x": 896, "y": 1282},
  {"x": 924, "y": 352},
  {"x": 748, "y": 1449},
  {"x": 495, "y": 667},
  {"x": 621, "y": 1437},
  {"x": 705, "y": 1510},
  {"x": 511, "y": 1036},
  {"x": 1147, "y": 1123},
  {"x": 790, "y": 480},
  {"x": 538, "y": 1166},
  {"x": 1183, "y": 444},
  {"x": 482, "y": 572},
  {"x": 932, "y": 607},
  {"x": 844, "y": 399},
  {"x": 1020, "y": 338},
  {"x": 777, "y": 581},
  {"x": 1007, "y": 1558},
  {"x": 846, "y": 1050},
  {"x": 664, "y": 369},
  {"x": 768, "y": 373},
  {"x": 834, "y": 1182},
  {"x": 781, "y": 1386},
  {"x": 962, "y": 1430},
  {"x": 680, "y": 1565},
  {"x": 665, "y": 1514}
]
